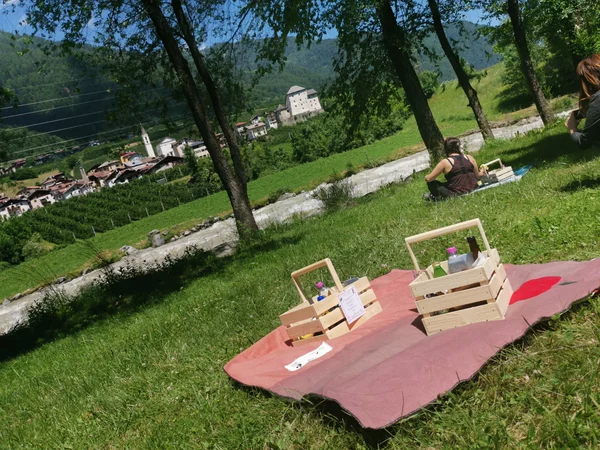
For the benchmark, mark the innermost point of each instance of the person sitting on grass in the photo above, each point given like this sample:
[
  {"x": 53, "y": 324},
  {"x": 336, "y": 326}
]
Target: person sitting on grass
[
  {"x": 588, "y": 71},
  {"x": 460, "y": 170}
]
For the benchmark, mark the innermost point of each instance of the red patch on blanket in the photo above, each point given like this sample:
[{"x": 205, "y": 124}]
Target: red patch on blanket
[{"x": 533, "y": 288}]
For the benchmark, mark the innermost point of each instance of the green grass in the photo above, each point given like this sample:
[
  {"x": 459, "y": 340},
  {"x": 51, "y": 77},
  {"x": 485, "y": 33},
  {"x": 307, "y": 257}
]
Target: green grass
[
  {"x": 450, "y": 109},
  {"x": 153, "y": 378}
]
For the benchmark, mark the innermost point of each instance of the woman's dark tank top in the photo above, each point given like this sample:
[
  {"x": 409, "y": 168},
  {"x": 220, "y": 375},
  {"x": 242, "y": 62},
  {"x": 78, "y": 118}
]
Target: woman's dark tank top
[{"x": 461, "y": 178}]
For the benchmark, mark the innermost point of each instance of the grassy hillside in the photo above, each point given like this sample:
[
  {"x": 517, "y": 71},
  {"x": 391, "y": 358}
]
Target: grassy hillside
[
  {"x": 152, "y": 376},
  {"x": 450, "y": 109}
]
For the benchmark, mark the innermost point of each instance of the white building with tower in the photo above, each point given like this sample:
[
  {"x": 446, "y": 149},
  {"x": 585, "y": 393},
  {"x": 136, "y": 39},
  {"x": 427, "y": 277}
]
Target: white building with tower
[
  {"x": 300, "y": 101},
  {"x": 147, "y": 143}
]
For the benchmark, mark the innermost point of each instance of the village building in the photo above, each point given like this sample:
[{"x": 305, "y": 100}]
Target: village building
[
  {"x": 98, "y": 178},
  {"x": 271, "y": 120},
  {"x": 43, "y": 159},
  {"x": 14, "y": 207},
  {"x": 131, "y": 157},
  {"x": 165, "y": 147},
  {"x": 121, "y": 176},
  {"x": 17, "y": 164},
  {"x": 201, "y": 152},
  {"x": 168, "y": 162},
  {"x": 240, "y": 128},
  {"x": 180, "y": 145},
  {"x": 104, "y": 167},
  {"x": 256, "y": 131},
  {"x": 53, "y": 180},
  {"x": 301, "y": 101},
  {"x": 39, "y": 198}
]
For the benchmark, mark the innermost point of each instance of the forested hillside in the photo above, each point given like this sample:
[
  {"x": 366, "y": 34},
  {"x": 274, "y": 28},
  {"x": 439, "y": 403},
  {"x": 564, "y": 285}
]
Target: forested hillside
[
  {"x": 68, "y": 99},
  {"x": 312, "y": 68}
]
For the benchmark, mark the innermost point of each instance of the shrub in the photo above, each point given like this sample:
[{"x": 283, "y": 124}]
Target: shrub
[
  {"x": 36, "y": 247},
  {"x": 23, "y": 174},
  {"x": 430, "y": 81},
  {"x": 336, "y": 196}
]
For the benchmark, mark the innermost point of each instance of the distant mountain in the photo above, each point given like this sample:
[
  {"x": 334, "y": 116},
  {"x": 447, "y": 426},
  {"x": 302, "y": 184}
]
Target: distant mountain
[
  {"x": 63, "y": 97},
  {"x": 312, "y": 68}
]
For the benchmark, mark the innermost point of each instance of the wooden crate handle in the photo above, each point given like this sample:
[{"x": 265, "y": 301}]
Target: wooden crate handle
[
  {"x": 442, "y": 232},
  {"x": 319, "y": 264},
  {"x": 488, "y": 164}
]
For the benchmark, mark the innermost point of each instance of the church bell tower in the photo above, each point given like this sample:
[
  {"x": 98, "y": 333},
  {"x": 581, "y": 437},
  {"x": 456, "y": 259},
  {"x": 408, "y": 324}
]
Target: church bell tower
[{"x": 147, "y": 143}]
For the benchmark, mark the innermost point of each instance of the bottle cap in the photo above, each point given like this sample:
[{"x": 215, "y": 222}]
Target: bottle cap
[
  {"x": 319, "y": 285},
  {"x": 451, "y": 251},
  {"x": 320, "y": 297}
]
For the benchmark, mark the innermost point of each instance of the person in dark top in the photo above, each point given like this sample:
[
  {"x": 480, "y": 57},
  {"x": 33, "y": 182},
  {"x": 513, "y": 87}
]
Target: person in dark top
[
  {"x": 460, "y": 170},
  {"x": 588, "y": 71}
]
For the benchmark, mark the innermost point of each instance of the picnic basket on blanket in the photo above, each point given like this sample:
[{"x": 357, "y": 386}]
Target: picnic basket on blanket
[
  {"x": 314, "y": 321},
  {"x": 475, "y": 295}
]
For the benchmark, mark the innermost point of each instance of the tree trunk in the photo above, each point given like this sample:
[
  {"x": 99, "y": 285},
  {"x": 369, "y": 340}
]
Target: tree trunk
[
  {"x": 236, "y": 192},
  {"x": 395, "y": 43},
  {"x": 461, "y": 75},
  {"x": 213, "y": 92},
  {"x": 543, "y": 107}
]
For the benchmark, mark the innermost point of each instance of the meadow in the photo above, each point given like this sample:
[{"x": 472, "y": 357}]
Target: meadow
[
  {"x": 450, "y": 109},
  {"x": 150, "y": 375}
]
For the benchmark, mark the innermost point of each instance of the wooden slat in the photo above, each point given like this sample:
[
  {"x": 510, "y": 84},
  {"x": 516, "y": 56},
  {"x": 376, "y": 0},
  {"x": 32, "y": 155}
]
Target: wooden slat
[
  {"x": 466, "y": 297},
  {"x": 336, "y": 315},
  {"x": 372, "y": 310},
  {"x": 297, "y": 314},
  {"x": 453, "y": 281},
  {"x": 466, "y": 316},
  {"x": 326, "y": 304},
  {"x": 504, "y": 297},
  {"x": 342, "y": 328},
  {"x": 305, "y": 327},
  {"x": 320, "y": 338},
  {"x": 330, "y": 301}
]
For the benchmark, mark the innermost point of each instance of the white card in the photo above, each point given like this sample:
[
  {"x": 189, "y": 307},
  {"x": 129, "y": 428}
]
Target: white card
[
  {"x": 351, "y": 304},
  {"x": 311, "y": 356}
]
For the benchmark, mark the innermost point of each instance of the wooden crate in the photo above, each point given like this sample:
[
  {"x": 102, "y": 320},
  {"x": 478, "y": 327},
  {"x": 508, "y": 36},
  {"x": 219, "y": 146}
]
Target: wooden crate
[
  {"x": 325, "y": 318},
  {"x": 475, "y": 295},
  {"x": 500, "y": 174}
]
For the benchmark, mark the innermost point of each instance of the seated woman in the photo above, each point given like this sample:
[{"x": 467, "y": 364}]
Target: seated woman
[
  {"x": 460, "y": 170},
  {"x": 588, "y": 71}
]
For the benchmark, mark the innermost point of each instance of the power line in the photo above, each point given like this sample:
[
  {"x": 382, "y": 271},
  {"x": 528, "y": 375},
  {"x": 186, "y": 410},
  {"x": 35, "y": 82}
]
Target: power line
[
  {"x": 60, "y": 120},
  {"x": 50, "y": 84},
  {"x": 81, "y": 115},
  {"x": 80, "y": 137},
  {"x": 105, "y": 91},
  {"x": 56, "y": 107},
  {"x": 75, "y": 126},
  {"x": 69, "y": 140}
]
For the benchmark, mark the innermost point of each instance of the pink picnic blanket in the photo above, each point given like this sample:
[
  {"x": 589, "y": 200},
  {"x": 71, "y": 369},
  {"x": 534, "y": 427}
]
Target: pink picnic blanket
[{"x": 389, "y": 368}]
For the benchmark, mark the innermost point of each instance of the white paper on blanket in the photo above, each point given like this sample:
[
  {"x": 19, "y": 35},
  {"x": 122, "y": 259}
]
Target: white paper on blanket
[
  {"x": 351, "y": 305},
  {"x": 311, "y": 356}
]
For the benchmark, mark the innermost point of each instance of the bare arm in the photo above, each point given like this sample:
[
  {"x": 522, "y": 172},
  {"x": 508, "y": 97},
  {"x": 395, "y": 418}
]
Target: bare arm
[
  {"x": 437, "y": 170},
  {"x": 479, "y": 171}
]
